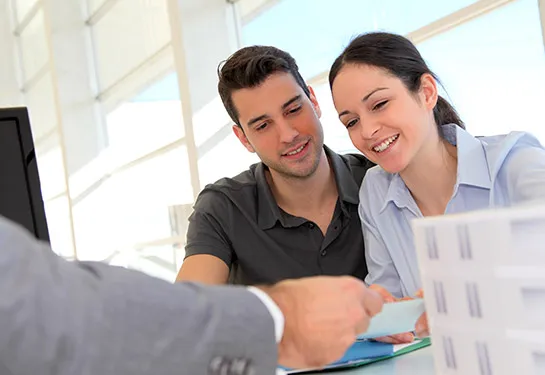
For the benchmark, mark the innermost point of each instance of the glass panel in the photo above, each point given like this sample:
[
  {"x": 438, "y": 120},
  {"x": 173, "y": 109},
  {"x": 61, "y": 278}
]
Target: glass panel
[
  {"x": 209, "y": 120},
  {"x": 22, "y": 7},
  {"x": 152, "y": 120},
  {"x": 35, "y": 52},
  {"x": 294, "y": 25},
  {"x": 138, "y": 28},
  {"x": 227, "y": 158},
  {"x": 493, "y": 69},
  {"x": 335, "y": 134},
  {"x": 58, "y": 222},
  {"x": 132, "y": 206},
  {"x": 94, "y": 5},
  {"x": 51, "y": 168},
  {"x": 41, "y": 107},
  {"x": 159, "y": 261}
]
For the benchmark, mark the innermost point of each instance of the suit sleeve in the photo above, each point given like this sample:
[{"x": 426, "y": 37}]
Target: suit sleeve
[{"x": 60, "y": 317}]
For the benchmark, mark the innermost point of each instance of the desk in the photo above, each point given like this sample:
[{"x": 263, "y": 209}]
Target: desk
[{"x": 418, "y": 362}]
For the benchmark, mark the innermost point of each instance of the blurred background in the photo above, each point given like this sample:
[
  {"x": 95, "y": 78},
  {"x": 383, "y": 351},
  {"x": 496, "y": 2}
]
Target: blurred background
[{"x": 128, "y": 126}]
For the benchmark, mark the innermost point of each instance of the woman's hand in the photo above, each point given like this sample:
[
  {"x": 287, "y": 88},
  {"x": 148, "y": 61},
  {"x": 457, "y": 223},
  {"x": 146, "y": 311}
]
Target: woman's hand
[
  {"x": 400, "y": 338},
  {"x": 421, "y": 328}
]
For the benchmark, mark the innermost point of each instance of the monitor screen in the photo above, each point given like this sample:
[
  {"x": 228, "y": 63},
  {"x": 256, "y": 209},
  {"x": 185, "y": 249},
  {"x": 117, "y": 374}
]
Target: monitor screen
[{"x": 20, "y": 193}]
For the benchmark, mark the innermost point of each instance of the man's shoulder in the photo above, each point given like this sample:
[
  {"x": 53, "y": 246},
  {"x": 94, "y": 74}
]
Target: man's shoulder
[
  {"x": 229, "y": 190},
  {"x": 357, "y": 164},
  {"x": 357, "y": 161}
]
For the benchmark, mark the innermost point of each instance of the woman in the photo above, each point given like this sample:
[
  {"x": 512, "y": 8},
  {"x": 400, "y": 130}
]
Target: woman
[{"x": 387, "y": 98}]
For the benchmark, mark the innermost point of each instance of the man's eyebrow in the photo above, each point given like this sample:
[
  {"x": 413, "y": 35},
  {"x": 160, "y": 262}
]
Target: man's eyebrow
[
  {"x": 365, "y": 98},
  {"x": 294, "y": 99},
  {"x": 265, "y": 116}
]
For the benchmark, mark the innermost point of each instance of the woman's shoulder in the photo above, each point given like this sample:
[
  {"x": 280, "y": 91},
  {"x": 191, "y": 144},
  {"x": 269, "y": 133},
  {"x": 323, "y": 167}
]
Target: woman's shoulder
[
  {"x": 376, "y": 185},
  {"x": 503, "y": 150}
]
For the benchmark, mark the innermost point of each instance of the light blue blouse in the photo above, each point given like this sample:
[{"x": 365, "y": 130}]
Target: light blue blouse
[{"x": 492, "y": 172}]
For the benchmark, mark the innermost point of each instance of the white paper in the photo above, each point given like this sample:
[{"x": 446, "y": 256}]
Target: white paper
[{"x": 395, "y": 317}]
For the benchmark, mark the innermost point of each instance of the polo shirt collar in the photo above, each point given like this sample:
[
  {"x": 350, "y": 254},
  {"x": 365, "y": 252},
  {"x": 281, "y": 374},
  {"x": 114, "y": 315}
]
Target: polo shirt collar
[{"x": 269, "y": 212}]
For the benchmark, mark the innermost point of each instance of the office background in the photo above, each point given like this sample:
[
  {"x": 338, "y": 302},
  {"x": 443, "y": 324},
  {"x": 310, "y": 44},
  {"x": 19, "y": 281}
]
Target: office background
[{"x": 128, "y": 126}]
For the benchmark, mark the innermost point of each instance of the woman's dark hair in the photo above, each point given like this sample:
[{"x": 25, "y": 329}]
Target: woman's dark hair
[{"x": 398, "y": 56}]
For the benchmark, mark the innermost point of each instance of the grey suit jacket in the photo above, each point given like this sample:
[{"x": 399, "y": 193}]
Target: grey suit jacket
[{"x": 59, "y": 317}]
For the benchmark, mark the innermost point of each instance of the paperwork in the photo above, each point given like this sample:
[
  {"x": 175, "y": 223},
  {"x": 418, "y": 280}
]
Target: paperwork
[{"x": 395, "y": 317}]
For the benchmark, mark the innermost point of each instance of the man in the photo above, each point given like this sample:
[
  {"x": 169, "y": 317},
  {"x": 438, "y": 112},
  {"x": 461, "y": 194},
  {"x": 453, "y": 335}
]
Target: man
[
  {"x": 59, "y": 317},
  {"x": 295, "y": 214}
]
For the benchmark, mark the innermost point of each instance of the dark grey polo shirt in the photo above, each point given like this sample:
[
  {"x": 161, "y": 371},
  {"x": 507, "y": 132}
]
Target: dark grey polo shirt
[{"x": 237, "y": 220}]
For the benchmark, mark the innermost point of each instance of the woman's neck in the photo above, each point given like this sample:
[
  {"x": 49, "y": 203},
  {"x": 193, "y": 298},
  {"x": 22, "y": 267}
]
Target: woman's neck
[{"x": 431, "y": 177}]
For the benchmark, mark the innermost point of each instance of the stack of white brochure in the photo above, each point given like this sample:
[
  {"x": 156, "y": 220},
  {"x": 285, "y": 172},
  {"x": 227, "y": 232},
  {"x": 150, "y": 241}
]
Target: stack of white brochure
[{"x": 483, "y": 275}]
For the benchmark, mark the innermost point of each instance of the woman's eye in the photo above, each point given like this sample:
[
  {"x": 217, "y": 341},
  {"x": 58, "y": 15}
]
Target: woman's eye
[
  {"x": 351, "y": 123},
  {"x": 380, "y": 105}
]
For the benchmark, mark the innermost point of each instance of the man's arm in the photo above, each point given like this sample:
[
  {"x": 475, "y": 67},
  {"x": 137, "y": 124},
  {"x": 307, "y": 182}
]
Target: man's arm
[
  {"x": 208, "y": 248},
  {"x": 59, "y": 317},
  {"x": 204, "y": 268}
]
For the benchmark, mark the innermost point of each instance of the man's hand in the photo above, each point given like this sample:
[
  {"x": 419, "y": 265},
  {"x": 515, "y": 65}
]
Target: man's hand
[{"x": 323, "y": 315}]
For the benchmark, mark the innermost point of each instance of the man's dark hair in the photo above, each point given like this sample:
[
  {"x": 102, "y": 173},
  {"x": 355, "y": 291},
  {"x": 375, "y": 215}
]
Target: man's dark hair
[{"x": 249, "y": 67}]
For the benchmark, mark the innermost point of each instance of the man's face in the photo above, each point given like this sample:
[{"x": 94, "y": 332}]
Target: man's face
[{"x": 281, "y": 125}]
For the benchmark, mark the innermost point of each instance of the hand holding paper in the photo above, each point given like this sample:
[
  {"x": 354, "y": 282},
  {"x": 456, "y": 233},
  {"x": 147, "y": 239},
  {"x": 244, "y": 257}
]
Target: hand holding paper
[{"x": 395, "y": 318}]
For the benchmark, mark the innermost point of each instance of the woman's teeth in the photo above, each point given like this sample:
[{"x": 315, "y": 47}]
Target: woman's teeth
[{"x": 384, "y": 145}]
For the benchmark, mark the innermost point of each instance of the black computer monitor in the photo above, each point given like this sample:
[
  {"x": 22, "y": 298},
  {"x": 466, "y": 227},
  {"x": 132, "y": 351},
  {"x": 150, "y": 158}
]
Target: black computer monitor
[{"x": 20, "y": 192}]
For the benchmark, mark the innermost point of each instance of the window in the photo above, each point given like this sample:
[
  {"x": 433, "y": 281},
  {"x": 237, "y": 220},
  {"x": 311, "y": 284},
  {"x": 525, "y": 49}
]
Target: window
[
  {"x": 59, "y": 226},
  {"x": 493, "y": 68},
  {"x": 227, "y": 158},
  {"x": 35, "y": 52},
  {"x": 139, "y": 28},
  {"x": 335, "y": 134},
  {"x": 315, "y": 32},
  {"x": 131, "y": 206},
  {"x": 149, "y": 121}
]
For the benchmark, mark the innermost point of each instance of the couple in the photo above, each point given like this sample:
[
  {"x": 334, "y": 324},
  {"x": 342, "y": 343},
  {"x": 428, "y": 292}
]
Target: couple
[
  {"x": 301, "y": 215},
  {"x": 306, "y": 210}
]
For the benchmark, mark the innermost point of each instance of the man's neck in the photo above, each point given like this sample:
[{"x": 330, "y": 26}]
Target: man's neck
[
  {"x": 300, "y": 195},
  {"x": 431, "y": 178}
]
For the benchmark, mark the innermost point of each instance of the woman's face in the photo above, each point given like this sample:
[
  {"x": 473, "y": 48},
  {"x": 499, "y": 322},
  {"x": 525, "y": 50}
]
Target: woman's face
[{"x": 386, "y": 122}]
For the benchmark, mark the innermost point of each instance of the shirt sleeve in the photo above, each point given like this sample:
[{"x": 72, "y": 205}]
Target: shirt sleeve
[
  {"x": 380, "y": 266},
  {"x": 525, "y": 175},
  {"x": 206, "y": 234}
]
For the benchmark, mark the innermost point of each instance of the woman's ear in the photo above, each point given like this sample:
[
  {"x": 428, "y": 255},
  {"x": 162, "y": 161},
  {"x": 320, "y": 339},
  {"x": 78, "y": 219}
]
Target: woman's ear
[{"x": 428, "y": 91}]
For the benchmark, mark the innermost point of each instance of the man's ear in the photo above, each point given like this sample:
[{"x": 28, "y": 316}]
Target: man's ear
[
  {"x": 315, "y": 103},
  {"x": 239, "y": 132},
  {"x": 428, "y": 90}
]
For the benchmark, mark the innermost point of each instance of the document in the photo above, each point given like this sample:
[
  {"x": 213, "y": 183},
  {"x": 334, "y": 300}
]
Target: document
[{"x": 395, "y": 317}]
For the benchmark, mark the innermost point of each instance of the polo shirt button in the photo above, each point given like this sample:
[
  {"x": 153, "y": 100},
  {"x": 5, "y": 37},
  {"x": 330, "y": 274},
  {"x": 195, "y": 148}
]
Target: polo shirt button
[
  {"x": 324, "y": 253},
  {"x": 311, "y": 225}
]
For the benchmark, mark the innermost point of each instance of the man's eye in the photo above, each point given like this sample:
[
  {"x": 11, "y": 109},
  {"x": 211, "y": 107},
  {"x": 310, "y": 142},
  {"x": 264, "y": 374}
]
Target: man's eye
[
  {"x": 261, "y": 126},
  {"x": 295, "y": 110},
  {"x": 380, "y": 105}
]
